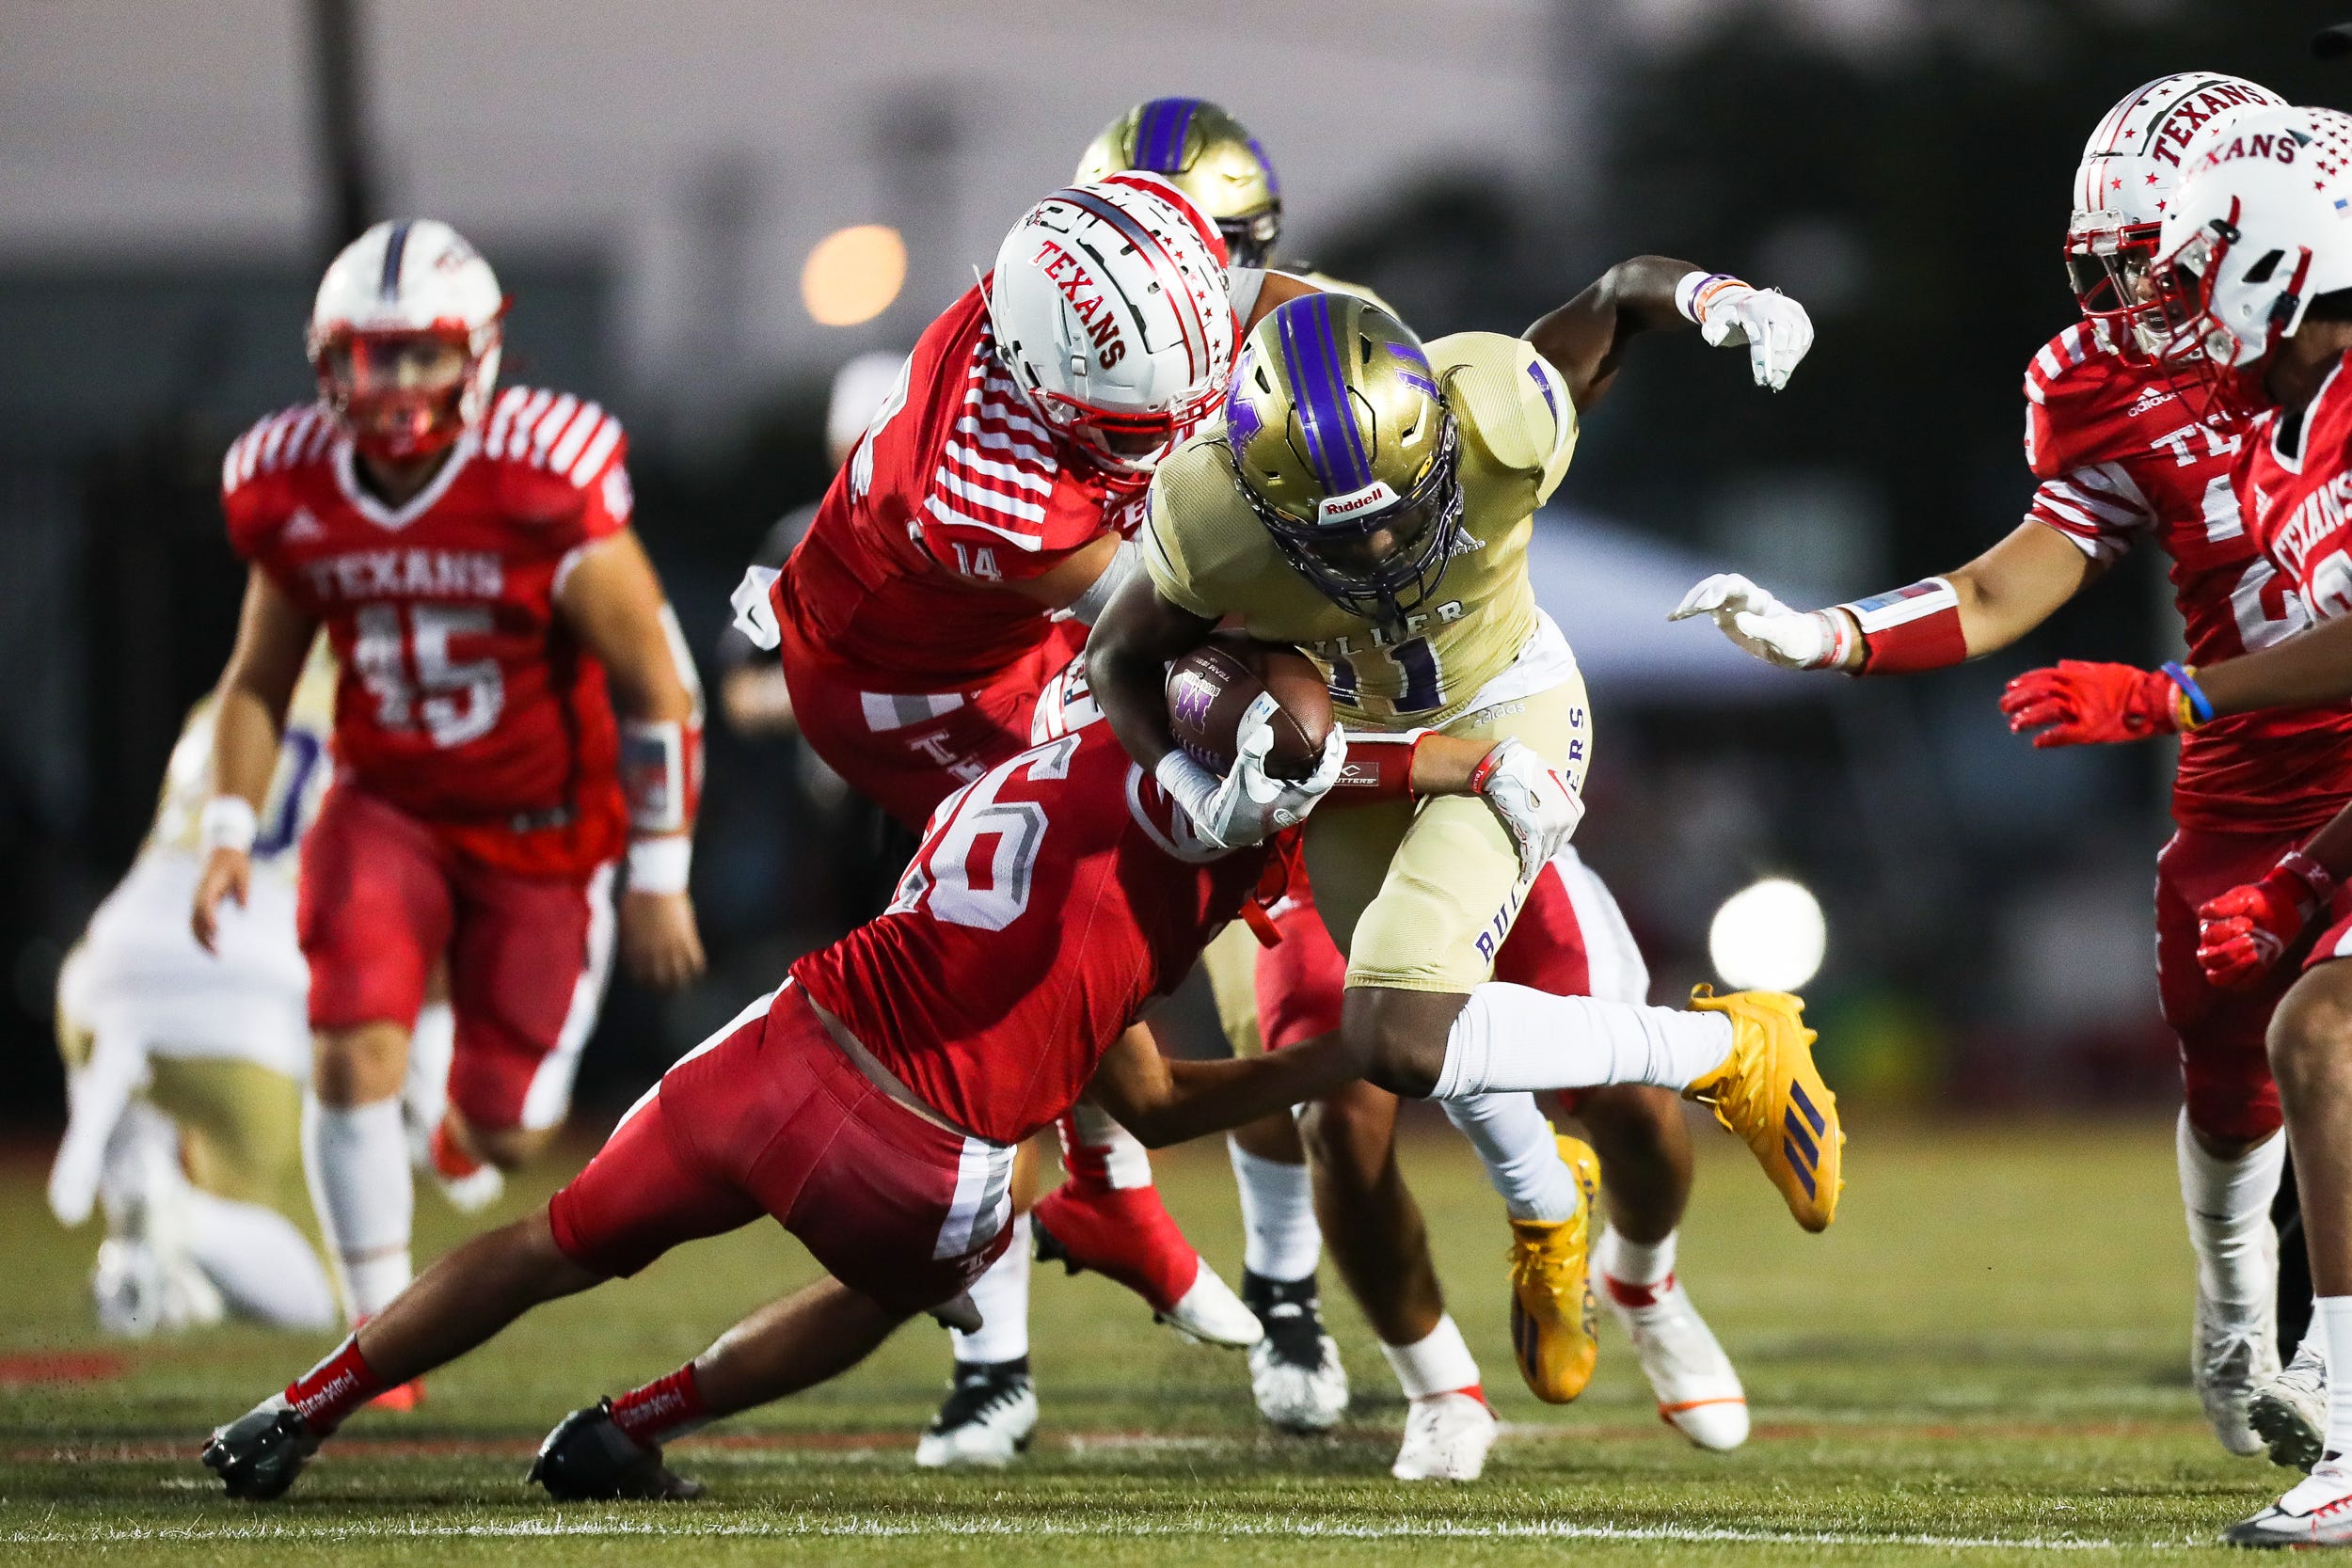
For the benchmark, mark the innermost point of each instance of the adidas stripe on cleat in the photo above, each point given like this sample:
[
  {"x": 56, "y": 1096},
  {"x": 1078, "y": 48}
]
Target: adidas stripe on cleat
[{"x": 1769, "y": 1092}]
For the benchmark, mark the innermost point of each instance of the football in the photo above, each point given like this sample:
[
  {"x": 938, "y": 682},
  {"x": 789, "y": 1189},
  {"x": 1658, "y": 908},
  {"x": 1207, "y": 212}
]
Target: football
[{"x": 1211, "y": 687}]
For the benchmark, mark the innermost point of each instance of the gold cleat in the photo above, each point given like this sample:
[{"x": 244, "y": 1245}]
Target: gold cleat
[
  {"x": 1551, "y": 1290},
  {"x": 1769, "y": 1093}
]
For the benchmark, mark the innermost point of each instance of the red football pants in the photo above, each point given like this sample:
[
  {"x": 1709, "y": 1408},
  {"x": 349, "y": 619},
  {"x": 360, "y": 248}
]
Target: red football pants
[{"x": 770, "y": 1117}]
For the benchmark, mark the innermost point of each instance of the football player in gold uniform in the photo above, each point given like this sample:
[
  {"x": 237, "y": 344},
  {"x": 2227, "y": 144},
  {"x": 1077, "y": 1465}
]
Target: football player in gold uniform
[{"x": 1369, "y": 500}]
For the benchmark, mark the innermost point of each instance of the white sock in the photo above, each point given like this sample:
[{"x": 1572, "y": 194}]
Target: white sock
[
  {"x": 1440, "y": 1363},
  {"x": 1278, "y": 1216},
  {"x": 259, "y": 1263},
  {"x": 356, "y": 1159},
  {"x": 1521, "y": 1152},
  {"x": 2314, "y": 1340},
  {"x": 2229, "y": 1216},
  {"x": 2334, "y": 1314},
  {"x": 432, "y": 1046},
  {"x": 1509, "y": 1037},
  {"x": 1630, "y": 1262},
  {"x": 1002, "y": 1294}
]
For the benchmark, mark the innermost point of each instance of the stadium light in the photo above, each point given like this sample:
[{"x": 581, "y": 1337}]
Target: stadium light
[
  {"x": 853, "y": 274},
  {"x": 1769, "y": 936}
]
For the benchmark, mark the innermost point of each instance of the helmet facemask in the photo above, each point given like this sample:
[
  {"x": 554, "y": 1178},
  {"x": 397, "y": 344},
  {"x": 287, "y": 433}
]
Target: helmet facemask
[
  {"x": 1348, "y": 562},
  {"x": 406, "y": 395},
  {"x": 2108, "y": 265},
  {"x": 1125, "y": 447}
]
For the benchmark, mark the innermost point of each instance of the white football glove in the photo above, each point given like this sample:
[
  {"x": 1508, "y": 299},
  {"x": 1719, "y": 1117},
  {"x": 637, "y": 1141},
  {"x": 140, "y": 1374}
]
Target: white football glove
[
  {"x": 1774, "y": 329},
  {"x": 1537, "y": 806},
  {"x": 1761, "y": 624},
  {"x": 1249, "y": 804}
]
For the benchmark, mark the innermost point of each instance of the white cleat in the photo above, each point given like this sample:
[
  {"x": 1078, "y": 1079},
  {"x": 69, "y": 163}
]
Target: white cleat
[
  {"x": 1210, "y": 1314},
  {"x": 1698, "y": 1390},
  {"x": 2317, "y": 1513},
  {"x": 987, "y": 1422},
  {"x": 2236, "y": 1351},
  {"x": 473, "y": 1192},
  {"x": 1446, "y": 1438},
  {"x": 2289, "y": 1412}
]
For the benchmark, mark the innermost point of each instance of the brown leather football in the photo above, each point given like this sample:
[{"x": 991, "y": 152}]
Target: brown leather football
[{"x": 1210, "y": 689}]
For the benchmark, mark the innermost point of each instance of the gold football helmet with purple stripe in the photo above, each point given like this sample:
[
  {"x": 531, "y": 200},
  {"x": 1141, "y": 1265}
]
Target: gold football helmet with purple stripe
[
  {"x": 1345, "y": 450},
  {"x": 1207, "y": 154}
]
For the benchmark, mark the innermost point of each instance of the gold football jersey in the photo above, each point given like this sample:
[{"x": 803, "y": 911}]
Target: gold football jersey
[
  {"x": 1207, "y": 551},
  {"x": 294, "y": 789}
]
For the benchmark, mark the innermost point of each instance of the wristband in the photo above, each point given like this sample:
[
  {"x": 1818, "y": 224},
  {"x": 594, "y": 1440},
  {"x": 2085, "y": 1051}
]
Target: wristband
[
  {"x": 1843, "y": 635},
  {"x": 1379, "y": 766},
  {"x": 1485, "y": 771},
  {"x": 228, "y": 822},
  {"x": 1909, "y": 630},
  {"x": 2190, "y": 705},
  {"x": 661, "y": 864},
  {"x": 2305, "y": 868},
  {"x": 662, "y": 768},
  {"x": 1697, "y": 291}
]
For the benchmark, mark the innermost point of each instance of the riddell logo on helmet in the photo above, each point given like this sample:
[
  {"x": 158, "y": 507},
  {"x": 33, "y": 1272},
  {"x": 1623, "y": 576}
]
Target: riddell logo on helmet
[
  {"x": 1087, "y": 303},
  {"x": 1370, "y": 498}
]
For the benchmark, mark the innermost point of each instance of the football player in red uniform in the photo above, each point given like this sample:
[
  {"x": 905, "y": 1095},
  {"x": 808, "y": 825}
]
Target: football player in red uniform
[
  {"x": 867, "y": 1103},
  {"x": 2252, "y": 291},
  {"x": 468, "y": 551},
  {"x": 953, "y": 569},
  {"x": 1568, "y": 940},
  {"x": 2123, "y": 458}
]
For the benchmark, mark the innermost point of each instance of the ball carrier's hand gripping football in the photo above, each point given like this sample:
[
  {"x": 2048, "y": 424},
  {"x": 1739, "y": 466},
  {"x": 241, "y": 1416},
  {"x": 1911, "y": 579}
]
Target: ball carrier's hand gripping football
[{"x": 1250, "y": 804}]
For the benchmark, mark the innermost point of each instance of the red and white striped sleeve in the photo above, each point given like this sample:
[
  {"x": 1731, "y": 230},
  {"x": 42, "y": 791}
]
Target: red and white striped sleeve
[
  {"x": 996, "y": 507},
  {"x": 571, "y": 437},
  {"x": 2097, "y": 507}
]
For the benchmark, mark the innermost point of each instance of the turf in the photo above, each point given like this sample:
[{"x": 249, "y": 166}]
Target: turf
[{"x": 1983, "y": 1362}]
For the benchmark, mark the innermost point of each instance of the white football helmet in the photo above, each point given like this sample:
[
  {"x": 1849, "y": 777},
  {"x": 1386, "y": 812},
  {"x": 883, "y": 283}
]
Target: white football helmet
[
  {"x": 2260, "y": 227},
  {"x": 1109, "y": 305},
  {"x": 405, "y": 336},
  {"x": 2125, "y": 185}
]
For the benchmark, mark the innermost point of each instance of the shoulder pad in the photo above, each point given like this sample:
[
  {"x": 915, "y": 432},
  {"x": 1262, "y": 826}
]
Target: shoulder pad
[
  {"x": 555, "y": 433},
  {"x": 2083, "y": 404},
  {"x": 277, "y": 442}
]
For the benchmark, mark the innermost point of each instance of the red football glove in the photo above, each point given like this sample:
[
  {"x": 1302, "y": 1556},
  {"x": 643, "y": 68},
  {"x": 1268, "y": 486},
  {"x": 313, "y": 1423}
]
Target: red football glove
[
  {"x": 2085, "y": 704},
  {"x": 2242, "y": 933}
]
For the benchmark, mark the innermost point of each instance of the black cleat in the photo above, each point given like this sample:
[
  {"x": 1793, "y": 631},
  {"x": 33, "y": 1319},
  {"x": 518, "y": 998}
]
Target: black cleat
[
  {"x": 1295, "y": 1372},
  {"x": 258, "y": 1455},
  {"x": 588, "y": 1459}
]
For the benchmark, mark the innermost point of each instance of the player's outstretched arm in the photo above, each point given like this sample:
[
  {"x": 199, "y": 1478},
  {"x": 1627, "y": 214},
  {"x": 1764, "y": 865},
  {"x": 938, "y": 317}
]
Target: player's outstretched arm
[
  {"x": 1586, "y": 339},
  {"x": 613, "y": 602},
  {"x": 250, "y": 716},
  {"x": 1983, "y": 606},
  {"x": 1163, "y": 1102}
]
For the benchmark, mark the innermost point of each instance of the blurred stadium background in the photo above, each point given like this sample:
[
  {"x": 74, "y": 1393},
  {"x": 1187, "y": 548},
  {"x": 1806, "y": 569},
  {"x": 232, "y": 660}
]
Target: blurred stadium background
[{"x": 703, "y": 208}]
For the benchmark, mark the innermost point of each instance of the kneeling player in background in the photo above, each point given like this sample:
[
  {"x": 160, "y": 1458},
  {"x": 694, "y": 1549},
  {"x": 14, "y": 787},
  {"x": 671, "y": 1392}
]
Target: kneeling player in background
[
  {"x": 185, "y": 1070},
  {"x": 866, "y": 1103}
]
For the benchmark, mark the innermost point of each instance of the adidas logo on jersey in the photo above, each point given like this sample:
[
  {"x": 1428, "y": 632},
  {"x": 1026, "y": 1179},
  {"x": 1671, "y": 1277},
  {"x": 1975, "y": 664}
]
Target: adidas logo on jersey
[
  {"x": 2152, "y": 397},
  {"x": 304, "y": 525}
]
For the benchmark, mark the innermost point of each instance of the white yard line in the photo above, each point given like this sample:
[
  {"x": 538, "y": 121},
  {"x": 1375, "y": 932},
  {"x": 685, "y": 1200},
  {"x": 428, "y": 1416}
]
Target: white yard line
[{"x": 685, "y": 1526}]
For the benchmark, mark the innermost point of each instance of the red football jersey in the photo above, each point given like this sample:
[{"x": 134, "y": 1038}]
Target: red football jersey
[
  {"x": 2292, "y": 479},
  {"x": 1053, "y": 898},
  {"x": 955, "y": 490},
  {"x": 464, "y": 698},
  {"x": 2120, "y": 459}
]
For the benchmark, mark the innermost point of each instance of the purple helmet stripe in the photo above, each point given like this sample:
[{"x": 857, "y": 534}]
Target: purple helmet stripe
[
  {"x": 395, "y": 248},
  {"x": 1160, "y": 134},
  {"x": 1312, "y": 362}
]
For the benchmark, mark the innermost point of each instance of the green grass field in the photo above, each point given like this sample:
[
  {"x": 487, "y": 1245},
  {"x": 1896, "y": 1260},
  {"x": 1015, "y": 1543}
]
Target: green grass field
[{"x": 1984, "y": 1362}]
